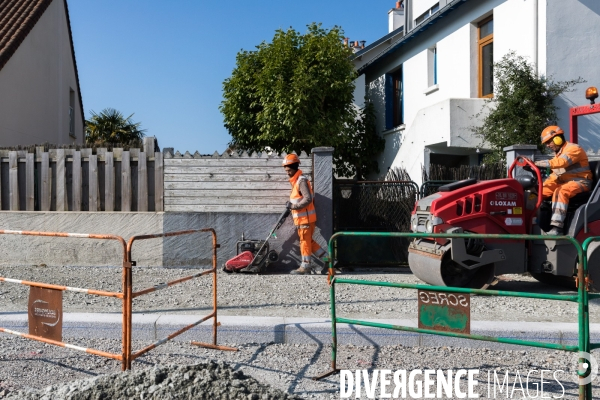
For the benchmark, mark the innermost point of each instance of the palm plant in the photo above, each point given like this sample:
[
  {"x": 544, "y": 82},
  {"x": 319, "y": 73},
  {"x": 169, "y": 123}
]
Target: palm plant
[{"x": 110, "y": 126}]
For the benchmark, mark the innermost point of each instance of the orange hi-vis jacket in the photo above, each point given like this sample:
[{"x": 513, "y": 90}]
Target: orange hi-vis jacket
[
  {"x": 306, "y": 215},
  {"x": 571, "y": 164}
]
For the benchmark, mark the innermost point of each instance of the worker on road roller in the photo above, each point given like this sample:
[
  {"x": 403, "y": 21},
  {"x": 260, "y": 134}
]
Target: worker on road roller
[{"x": 570, "y": 174}]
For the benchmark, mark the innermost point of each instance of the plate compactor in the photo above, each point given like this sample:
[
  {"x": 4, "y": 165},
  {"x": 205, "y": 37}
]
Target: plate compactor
[
  {"x": 254, "y": 256},
  {"x": 504, "y": 206}
]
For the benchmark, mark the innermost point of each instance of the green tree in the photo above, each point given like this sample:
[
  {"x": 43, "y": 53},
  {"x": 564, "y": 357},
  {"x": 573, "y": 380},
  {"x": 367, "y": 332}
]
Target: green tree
[
  {"x": 522, "y": 106},
  {"x": 356, "y": 157},
  {"x": 296, "y": 93},
  {"x": 111, "y": 126}
]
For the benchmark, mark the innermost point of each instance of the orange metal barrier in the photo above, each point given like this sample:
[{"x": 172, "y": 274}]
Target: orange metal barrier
[
  {"x": 121, "y": 357},
  {"x": 127, "y": 295},
  {"x": 130, "y": 296}
]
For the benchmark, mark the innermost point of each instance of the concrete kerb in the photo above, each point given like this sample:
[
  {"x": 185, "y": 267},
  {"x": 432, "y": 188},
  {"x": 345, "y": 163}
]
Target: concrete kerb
[{"x": 249, "y": 329}]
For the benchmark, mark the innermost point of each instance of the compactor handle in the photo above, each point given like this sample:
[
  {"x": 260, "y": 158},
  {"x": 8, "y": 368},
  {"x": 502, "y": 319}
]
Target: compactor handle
[{"x": 522, "y": 161}]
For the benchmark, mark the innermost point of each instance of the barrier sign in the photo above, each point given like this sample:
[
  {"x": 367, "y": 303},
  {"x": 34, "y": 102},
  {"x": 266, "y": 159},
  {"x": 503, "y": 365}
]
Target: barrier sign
[
  {"x": 445, "y": 311},
  {"x": 45, "y": 313}
]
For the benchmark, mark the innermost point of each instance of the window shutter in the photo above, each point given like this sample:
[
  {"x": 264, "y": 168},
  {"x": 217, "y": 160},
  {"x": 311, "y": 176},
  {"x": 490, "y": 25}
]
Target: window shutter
[{"x": 389, "y": 101}]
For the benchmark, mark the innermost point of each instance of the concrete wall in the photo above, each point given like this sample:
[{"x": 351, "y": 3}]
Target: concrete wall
[
  {"x": 35, "y": 85},
  {"x": 191, "y": 250},
  {"x": 443, "y": 127}
]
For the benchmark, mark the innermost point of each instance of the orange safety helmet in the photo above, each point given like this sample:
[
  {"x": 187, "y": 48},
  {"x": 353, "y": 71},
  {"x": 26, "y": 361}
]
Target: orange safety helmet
[
  {"x": 290, "y": 159},
  {"x": 551, "y": 132}
]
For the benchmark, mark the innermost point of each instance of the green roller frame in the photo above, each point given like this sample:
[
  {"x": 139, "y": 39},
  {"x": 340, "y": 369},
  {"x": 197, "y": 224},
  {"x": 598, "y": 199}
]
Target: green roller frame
[{"x": 581, "y": 298}]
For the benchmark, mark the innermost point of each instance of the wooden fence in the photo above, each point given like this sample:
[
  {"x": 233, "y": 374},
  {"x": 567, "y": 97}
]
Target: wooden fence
[
  {"x": 223, "y": 183},
  {"x": 81, "y": 180}
]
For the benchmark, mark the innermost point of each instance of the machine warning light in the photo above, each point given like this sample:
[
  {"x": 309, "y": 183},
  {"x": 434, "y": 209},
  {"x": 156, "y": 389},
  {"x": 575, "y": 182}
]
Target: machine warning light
[{"x": 591, "y": 94}]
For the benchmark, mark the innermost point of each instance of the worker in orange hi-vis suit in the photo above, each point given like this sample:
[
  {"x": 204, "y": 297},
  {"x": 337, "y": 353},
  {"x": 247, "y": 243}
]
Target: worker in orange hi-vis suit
[
  {"x": 305, "y": 216},
  {"x": 571, "y": 174}
]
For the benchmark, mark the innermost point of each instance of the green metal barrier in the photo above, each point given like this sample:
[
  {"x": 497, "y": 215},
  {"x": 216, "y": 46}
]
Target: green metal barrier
[
  {"x": 581, "y": 298},
  {"x": 584, "y": 247}
]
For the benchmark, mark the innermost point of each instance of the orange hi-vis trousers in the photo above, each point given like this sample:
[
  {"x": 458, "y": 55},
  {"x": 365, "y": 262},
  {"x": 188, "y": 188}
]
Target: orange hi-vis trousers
[
  {"x": 561, "y": 193},
  {"x": 308, "y": 246}
]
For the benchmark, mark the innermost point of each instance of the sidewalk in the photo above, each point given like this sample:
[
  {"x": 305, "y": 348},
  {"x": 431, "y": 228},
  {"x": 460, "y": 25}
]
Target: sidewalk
[
  {"x": 283, "y": 308},
  {"x": 255, "y": 329}
]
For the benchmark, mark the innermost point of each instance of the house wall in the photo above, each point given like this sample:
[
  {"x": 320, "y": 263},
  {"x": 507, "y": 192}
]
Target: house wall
[
  {"x": 514, "y": 25},
  {"x": 454, "y": 38},
  {"x": 419, "y": 7},
  {"x": 572, "y": 51},
  {"x": 35, "y": 84},
  {"x": 359, "y": 92},
  {"x": 551, "y": 35}
]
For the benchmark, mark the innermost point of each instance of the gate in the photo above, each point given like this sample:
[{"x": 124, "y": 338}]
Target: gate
[{"x": 383, "y": 206}]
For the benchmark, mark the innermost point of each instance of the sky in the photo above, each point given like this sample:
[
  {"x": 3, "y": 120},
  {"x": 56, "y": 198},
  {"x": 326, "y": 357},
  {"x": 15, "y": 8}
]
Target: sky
[{"x": 165, "y": 60}]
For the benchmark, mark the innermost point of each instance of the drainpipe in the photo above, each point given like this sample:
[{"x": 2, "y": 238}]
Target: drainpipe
[
  {"x": 407, "y": 13},
  {"x": 535, "y": 36}
]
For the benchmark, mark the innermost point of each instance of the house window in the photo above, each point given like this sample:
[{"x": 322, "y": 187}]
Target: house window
[
  {"x": 421, "y": 18},
  {"x": 485, "y": 43},
  {"x": 432, "y": 66},
  {"x": 72, "y": 113},
  {"x": 394, "y": 99}
]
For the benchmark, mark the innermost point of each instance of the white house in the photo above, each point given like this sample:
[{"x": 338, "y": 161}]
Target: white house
[
  {"x": 40, "y": 99},
  {"x": 430, "y": 75}
]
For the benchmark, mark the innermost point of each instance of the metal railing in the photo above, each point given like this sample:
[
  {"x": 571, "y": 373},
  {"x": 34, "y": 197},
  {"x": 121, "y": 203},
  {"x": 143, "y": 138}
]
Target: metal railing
[
  {"x": 431, "y": 187},
  {"x": 581, "y": 298}
]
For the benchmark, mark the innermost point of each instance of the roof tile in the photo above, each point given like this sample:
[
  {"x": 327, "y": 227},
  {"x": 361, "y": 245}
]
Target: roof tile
[{"x": 17, "y": 18}]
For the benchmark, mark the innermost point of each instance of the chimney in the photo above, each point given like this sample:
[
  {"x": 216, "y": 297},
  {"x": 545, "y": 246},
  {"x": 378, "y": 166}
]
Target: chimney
[{"x": 396, "y": 17}]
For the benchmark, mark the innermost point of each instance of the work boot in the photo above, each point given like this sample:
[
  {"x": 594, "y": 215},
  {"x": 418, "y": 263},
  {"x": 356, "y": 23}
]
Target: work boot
[
  {"x": 302, "y": 271},
  {"x": 556, "y": 231}
]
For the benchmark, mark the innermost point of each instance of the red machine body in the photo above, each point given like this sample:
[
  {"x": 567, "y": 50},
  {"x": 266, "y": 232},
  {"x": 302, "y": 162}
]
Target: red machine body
[
  {"x": 496, "y": 206},
  {"x": 501, "y": 206}
]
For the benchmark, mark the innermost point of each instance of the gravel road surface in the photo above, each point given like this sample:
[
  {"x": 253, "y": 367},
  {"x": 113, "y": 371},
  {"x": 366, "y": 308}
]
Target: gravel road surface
[
  {"x": 289, "y": 367},
  {"x": 278, "y": 295},
  {"x": 29, "y": 365}
]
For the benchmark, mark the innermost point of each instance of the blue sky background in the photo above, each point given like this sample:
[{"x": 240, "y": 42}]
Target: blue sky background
[{"x": 166, "y": 60}]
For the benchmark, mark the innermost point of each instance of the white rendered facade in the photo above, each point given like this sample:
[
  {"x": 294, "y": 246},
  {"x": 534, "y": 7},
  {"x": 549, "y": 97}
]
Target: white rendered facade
[{"x": 437, "y": 115}]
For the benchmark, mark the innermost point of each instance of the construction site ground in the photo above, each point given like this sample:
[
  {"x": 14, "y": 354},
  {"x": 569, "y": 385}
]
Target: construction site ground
[{"x": 285, "y": 362}]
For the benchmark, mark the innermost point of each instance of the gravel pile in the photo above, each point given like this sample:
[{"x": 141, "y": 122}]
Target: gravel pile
[{"x": 201, "y": 381}]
